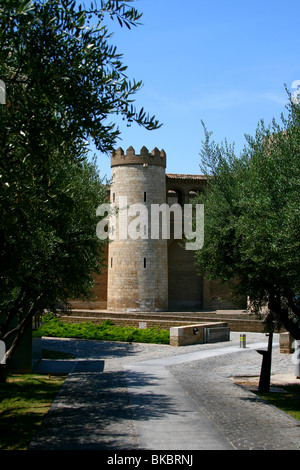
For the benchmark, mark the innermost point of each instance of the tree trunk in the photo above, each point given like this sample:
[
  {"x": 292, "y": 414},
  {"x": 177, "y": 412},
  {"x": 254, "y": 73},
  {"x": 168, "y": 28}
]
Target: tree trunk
[
  {"x": 290, "y": 324},
  {"x": 289, "y": 320},
  {"x": 2, "y": 373}
]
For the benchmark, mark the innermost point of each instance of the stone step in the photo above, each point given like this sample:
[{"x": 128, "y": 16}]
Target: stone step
[
  {"x": 236, "y": 321},
  {"x": 186, "y": 316}
]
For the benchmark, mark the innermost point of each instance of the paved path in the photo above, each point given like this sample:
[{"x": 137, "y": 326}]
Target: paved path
[{"x": 120, "y": 396}]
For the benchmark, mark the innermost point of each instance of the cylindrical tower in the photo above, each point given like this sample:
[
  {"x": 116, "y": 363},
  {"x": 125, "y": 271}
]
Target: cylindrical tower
[{"x": 137, "y": 263}]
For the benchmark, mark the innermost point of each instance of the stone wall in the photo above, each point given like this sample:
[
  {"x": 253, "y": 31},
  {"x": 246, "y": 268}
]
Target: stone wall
[
  {"x": 286, "y": 342},
  {"x": 99, "y": 294},
  {"x": 153, "y": 275},
  {"x": 239, "y": 322},
  {"x": 185, "y": 286},
  {"x": 137, "y": 268},
  {"x": 195, "y": 334}
]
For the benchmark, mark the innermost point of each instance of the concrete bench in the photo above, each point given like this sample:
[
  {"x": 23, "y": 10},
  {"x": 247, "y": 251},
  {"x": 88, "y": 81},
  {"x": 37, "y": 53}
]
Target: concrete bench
[
  {"x": 199, "y": 333},
  {"x": 217, "y": 334}
]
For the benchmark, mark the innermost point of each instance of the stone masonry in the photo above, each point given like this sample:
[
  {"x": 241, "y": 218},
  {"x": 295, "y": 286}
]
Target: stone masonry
[
  {"x": 146, "y": 274},
  {"x": 137, "y": 268}
]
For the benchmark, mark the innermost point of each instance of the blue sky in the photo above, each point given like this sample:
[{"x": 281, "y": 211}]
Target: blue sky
[{"x": 223, "y": 62}]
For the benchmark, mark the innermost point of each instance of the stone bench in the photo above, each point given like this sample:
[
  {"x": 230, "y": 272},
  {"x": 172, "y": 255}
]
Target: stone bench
[{"x": 199, "y": 333}]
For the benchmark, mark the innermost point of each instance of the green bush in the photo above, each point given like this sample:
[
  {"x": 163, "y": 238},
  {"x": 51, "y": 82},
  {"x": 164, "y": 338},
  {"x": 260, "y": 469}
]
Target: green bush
[{"x": 107, "y": 330}]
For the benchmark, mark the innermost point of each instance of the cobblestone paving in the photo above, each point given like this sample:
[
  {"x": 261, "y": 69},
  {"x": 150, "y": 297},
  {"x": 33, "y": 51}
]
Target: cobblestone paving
[
  {"x": 92, "y": 410},
  {"x": 244, "y": 419}
]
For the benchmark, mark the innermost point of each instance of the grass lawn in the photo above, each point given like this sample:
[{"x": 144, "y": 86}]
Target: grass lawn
[
  {"x": 288, "y": 400},
  {"x": 24, "y": 400}
]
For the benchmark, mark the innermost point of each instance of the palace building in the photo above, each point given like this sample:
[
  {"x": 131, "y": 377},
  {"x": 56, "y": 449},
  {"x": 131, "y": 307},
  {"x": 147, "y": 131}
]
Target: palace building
[{"x": 147, "y": 273}]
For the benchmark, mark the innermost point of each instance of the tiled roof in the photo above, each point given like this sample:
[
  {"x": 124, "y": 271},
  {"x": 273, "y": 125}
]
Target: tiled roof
[{"x": 185, "y": 177}]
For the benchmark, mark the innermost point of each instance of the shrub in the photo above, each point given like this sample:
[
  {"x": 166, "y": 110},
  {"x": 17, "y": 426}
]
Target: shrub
[{"x": 54, "y": 327}]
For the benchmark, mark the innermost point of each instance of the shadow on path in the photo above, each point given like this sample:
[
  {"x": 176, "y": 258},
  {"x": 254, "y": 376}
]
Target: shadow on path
[{"x": 93, "y": 411}]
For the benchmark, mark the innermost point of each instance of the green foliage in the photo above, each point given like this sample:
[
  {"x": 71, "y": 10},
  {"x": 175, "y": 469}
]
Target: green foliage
[
  {"x": 24, "y": 400},
  {"x": 103, "y": 331},
  {"x": 64, "y": 80},
  {"x": 252, "y": 224},
  {"x": 64, "y": 75},
  {"x": 288, "y": 400},
  {"x": 50, "y": 248}
]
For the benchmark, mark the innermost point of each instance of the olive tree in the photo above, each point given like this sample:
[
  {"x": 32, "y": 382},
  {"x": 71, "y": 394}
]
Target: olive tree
[
  {"x": 252, "y": 225},
  {"x": 62, "y": 84}
]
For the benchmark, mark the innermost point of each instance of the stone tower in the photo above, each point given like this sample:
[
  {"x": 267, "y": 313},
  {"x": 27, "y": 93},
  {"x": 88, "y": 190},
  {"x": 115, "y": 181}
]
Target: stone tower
[{"x": 137, "y": 264}]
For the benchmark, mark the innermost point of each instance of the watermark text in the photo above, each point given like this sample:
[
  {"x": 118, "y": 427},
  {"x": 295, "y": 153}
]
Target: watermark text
[{"x": 156, "y": 221}]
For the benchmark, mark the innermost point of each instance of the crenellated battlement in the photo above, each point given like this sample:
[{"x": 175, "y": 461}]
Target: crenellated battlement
[{"x": 156, "y": 157}]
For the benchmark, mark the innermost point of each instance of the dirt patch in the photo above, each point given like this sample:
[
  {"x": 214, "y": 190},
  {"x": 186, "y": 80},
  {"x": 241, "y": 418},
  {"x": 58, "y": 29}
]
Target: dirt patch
[
  {"x": 248, "y": 382},
  {"x": 278, "y": 381}
]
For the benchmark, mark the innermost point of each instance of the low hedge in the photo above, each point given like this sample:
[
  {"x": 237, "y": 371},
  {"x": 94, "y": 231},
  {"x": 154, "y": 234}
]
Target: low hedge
[{"x": 107, "y": 330}]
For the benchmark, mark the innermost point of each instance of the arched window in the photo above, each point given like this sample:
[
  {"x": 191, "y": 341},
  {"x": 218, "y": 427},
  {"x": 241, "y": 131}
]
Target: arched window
[
  {"x": 193, "y": 193},
  {"x": 174, "y": 197}
]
